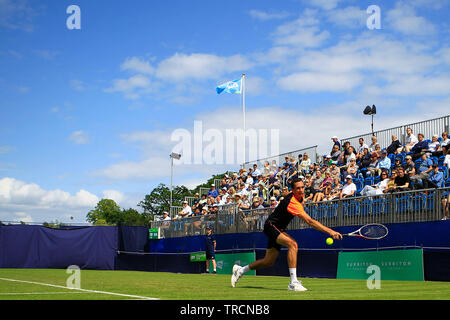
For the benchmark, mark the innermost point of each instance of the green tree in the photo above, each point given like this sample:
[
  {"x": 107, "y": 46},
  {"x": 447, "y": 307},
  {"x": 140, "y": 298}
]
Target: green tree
[
  {"x": 158, "y": 200},
  {"x": 106, "y": 211}
]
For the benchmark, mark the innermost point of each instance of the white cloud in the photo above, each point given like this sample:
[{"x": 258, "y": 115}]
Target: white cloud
[
  {"x": 303, "y": 32},
  {"x": 18, "y": 193},
  {"x": 115, "y": 195},
  {"x": 133, "y": 87},
  {"x": 324, "y": 4},
  {"x": 317, "y": 82},
  {"x": 137, "y": 65},
  {"x": 22, "y": 217},
  {"x": 264, "y": 16},
  {"x": 79, "y": 137},
  {"x": 404, "y": 19},
  {"x": 350, "y": 17},
  {"x": 78, "y": 85},
  {"x": 199, "y": 66},
  {"x": 16, "y": 15}
]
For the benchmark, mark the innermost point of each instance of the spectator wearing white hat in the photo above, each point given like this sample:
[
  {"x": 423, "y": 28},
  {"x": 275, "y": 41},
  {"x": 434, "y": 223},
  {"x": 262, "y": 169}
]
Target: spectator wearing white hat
[
  {"x": 348, "y": 189},
  {"x": 186, "y": 211},
  {"x": 336, "y": 142}
]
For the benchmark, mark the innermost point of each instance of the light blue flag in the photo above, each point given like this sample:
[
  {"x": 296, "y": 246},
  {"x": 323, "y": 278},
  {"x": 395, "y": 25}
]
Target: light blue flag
[{"x": 234, "y": 86}]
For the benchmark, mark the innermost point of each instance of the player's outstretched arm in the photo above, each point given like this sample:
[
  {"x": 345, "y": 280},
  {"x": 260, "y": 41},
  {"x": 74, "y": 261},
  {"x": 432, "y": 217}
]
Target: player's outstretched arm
[{"x": 318, "y": 226}]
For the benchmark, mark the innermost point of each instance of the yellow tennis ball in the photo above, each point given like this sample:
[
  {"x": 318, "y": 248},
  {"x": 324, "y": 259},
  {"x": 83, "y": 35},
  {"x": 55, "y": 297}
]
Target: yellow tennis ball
[{"x": 329, "y": 241}]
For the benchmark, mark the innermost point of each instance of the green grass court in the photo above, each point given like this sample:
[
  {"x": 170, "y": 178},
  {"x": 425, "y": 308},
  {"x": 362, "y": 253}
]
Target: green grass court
[{"x": 50, "y": 284}]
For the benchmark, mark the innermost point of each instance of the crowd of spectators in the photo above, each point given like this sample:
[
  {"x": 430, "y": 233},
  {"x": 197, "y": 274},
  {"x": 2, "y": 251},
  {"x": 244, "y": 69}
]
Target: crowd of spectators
[{"x": 347, "y": 171}]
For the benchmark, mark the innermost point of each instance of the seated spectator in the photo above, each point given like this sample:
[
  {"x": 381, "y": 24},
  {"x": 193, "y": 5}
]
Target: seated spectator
[
  {"x": 323, "y": 195},
  {"x": 186, "y": 211},
  {"x": 245, "y": 203},
  {"x": 372, "y": 145},
  {"x": 256, "y": 171},
  {"x": 274, "y": 165},
  {"x": 377, "y": 188},
  {"x": 391, "y": 183},
  {"x": 273, "y": 202},
  {"x": 447, "y": 162},
  {"x": 378, "y": 150},
  {"x": 335, "y": 153},
  {"x": 397, "y": 163},
  {"x": 336, "y": 143},
  {"x": 402, "y": 181},
  {"x": 436, "y": 179},
  {"x": 361, "y": 147},
  {"x": 317, "y": 179},
  {"x": 166, "y": 218},
  {"x": 409, "y": 164},
  {"x": 420, "y": 147},
  {"x": 309, "y": 192},
  {"x": 372, "y": 168},
  {"x": 266, "y": 167},
  {"x": 196, "y": 201},
  {"x": 348, "y": 189},
  {"x": 394, "y": 146},
  {"x": 213, "y": 192},
  {"x": 304, "y": 165},
  {"x": 420, "y": 179},
  {"x": 434, "y": 147},
  {"x": 351, "y": 169},
  {"x": 410, "y": 141},
  {"x": 334, "y": 171},
  {"x": 351, "y": 154},
  {"x": 445, "y": 140},
  {"x": 336, "y": 189},
  {"x": 365, "y": 159},
  {"x": 384, "y": 163}
]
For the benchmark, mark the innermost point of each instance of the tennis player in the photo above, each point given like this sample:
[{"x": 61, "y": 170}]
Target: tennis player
[{"x": 274, "y": 229}]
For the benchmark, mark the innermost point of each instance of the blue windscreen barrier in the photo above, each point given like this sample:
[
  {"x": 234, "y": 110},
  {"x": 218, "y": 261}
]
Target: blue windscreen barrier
[
  {"x": 128, "y": 248},
  {"x": 41, "y": 247}
]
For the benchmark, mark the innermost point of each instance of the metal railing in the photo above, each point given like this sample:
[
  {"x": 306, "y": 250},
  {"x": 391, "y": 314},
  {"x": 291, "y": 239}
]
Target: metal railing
[
  {"x": 407, "y": 206},
  {"x": 384, "y": 137},
  {"x": 280, "y": 159}
]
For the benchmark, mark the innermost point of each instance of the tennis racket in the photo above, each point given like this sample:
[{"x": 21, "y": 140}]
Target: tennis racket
[{"x": 372, "y": 231}]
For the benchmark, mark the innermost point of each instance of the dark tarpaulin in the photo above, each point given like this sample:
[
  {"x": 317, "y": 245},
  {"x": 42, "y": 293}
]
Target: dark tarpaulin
[{"x": 23, "y": 246}]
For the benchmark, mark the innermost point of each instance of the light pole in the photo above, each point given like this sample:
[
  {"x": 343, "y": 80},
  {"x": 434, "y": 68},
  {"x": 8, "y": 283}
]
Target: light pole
[{"x": 177, "y": 156}]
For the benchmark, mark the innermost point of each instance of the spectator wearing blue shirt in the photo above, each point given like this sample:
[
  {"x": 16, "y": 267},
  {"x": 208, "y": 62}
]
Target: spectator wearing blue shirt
[
  {"x": 423, "y": 173},
  {"x": 436, "y": 177},
  {"x": 336, "y": 142},
  {"x": 384, "y": 163},
  {"x": 419, "y": 147},
  {"x": 213, "y": 192}
]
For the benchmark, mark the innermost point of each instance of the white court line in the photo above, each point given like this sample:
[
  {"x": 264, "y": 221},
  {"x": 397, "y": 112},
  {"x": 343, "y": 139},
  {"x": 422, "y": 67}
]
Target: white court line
[
  {"x": 33, "y": 293},
  {"x": 83, "y": 290}
]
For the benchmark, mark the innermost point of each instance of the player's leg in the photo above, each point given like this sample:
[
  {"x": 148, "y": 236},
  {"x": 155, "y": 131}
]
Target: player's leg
[
  {"x": 214, "y": 265},
  {"x": 268, "y": 260},
  {"x": 207, "y": 266},
  {"x": 286, "y": 240}
]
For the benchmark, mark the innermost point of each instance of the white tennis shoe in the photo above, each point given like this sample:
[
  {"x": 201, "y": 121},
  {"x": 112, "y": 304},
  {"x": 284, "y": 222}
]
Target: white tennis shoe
[
  {"x": 235, "y": 276},
  {"x": 296, "y": 286}
]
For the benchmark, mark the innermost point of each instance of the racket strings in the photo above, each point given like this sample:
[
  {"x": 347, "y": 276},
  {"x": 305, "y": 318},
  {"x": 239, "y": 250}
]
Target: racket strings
[{"x": 373, "y": 231}]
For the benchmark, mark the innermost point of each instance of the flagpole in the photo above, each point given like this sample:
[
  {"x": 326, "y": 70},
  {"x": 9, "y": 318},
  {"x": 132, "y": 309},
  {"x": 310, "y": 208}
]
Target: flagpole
[{"x": 243, "y": 111}]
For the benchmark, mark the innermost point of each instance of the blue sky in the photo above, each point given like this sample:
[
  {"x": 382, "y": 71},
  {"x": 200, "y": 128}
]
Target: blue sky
[{"x": 89, "y": 113}]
